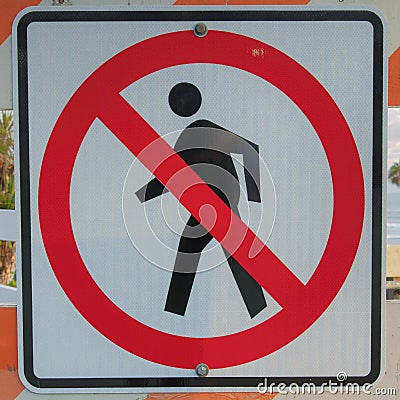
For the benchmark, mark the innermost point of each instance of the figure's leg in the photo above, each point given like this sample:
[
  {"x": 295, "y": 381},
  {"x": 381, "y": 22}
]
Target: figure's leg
[
  {"x": 186, "y": 262},
  {"x": 250, "y": 290}
]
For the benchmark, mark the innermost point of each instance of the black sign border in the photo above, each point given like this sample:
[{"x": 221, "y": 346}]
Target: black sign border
[{"x": 195, "y": 15}]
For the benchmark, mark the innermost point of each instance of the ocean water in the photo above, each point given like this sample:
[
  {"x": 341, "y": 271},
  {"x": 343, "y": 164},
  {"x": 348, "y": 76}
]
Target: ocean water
[{"x": 393, "y": 217}]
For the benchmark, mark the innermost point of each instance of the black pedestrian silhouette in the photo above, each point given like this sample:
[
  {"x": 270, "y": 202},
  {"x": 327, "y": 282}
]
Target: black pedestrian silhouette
[{"x": 207, "y": 148}]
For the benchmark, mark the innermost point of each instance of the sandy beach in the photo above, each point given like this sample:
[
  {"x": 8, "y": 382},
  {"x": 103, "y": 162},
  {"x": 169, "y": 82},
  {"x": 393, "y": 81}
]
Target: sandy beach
[
  {"x": 393, "y": 271},
  {"x": 393, "y": 261}
]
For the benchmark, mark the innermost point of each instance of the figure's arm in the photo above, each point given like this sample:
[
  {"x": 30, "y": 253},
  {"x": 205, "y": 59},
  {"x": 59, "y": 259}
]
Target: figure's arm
[
  {"x": 151, "y": 190},
  {"x": 251, "y": 163}
]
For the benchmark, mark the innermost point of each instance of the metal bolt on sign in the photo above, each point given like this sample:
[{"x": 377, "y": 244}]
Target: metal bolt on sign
[
  {"x": 202, "y": 370},
  {"x": 200, "y": 29}
]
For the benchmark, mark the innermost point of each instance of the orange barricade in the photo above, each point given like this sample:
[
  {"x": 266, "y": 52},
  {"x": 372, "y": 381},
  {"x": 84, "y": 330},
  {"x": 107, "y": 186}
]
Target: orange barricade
[{"x": 10, "y": 385}]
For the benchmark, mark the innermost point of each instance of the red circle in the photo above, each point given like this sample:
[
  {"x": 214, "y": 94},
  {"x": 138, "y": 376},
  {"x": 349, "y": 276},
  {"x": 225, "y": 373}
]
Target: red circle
[{"x": 93, "y": 97}]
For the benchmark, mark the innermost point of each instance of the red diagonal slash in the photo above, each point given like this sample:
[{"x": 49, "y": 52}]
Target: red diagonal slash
[
  {"x": 99, "y": 97},
  {"x": 193, "y": 193}
]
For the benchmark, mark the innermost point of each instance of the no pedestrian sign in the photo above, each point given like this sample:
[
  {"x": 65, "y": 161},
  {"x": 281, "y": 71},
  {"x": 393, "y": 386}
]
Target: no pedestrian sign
[{"x": 199, "y": 187}]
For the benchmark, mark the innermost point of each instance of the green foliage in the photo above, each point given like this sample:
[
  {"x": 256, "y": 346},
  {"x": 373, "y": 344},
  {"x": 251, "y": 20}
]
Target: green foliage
[
  {"x": 394, "y": 173},
  {"x": 13, "y": 283},
  {"x": 6, "y": 133},
  {"x": 7, "y": 194},
  {"x": 7, "y": 190},
  {"x": 7, "y": 263}
]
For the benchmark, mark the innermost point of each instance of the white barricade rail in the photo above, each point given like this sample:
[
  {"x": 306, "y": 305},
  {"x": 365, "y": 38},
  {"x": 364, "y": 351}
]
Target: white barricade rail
[{"x": 8, "y": 225}]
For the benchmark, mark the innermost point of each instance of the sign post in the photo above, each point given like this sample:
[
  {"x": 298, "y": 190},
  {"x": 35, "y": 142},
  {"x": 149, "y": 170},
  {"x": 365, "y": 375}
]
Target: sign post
[{"x": 135, "y": 160}]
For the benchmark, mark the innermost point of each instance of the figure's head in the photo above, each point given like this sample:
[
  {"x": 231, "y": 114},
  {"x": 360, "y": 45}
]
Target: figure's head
[{"x": 184, "y": 99}]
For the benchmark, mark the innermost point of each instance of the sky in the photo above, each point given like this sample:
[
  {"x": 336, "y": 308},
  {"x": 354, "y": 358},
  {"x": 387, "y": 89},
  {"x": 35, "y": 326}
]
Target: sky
[{"x": 393, "y": 140}]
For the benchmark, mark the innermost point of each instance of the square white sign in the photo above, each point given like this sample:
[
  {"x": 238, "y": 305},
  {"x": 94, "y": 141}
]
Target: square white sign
[{"x": 200, "y": 194}]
